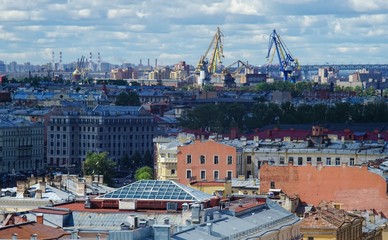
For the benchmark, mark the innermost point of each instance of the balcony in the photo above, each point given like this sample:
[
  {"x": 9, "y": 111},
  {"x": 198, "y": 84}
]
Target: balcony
[{"x": 167, "y": 160}]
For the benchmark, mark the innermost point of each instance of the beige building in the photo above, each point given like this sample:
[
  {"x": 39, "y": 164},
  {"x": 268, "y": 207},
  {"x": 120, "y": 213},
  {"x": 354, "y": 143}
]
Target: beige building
[
  {"x": 165, "y": 155},
  {"x": 329, "y": 222}
]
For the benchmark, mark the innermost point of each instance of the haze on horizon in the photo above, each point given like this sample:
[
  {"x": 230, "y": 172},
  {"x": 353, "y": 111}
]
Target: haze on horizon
[{"x": 123, "y": 31}]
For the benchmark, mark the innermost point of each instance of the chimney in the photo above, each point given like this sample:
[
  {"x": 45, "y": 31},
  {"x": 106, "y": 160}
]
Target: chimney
[
  {"x": 42, "y": 186},
  {"x": 39, "y": 218},
  {"x": 319, "y": 166},
  {"x": 38, "y": 194},
  {"x": 87, "y": 202},
  {"x": 162, "y": 232},
  {"x": 74, "y": 234},
  {"x": 209, "y": 228}
]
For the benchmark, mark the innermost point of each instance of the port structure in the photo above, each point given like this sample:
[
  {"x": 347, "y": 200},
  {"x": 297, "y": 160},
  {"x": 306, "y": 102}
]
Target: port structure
[
  {"x": 288, "y": 65},
  {"x": 207, "y": 64}
]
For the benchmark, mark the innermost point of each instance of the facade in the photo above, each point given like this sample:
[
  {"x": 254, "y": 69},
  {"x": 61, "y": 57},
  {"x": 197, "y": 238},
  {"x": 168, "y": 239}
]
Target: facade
[
  {"x": 349, "y": 187},
  {"x": 22, "y": 146},
  {"x": 165, "y": 155},
  {"x": 117, "y": 130},
  {"x": 317, "y": 149},
  {"x": 208, "y": 160},
  {"x": 331, "y": 223}
]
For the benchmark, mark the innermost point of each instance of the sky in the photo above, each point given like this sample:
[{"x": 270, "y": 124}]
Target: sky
[{"x": 125, "y": 31}]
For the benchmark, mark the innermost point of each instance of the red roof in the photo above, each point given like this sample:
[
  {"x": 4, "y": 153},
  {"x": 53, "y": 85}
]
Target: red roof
[{"x": 25, "y": 230}]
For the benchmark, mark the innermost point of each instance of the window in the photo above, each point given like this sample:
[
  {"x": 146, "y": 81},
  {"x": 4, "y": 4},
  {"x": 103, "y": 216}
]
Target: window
[
  {"x": 300, "y": 161},
  {"x": 308, "y": 159},
  {"x": 203, "y": 174},
  {"x": 188, "y": 173},
  {"x": 172, "y": 171},
  {"x": 319, "y": 159},
  {"x": 202, "y": 159},
  {"x": 291, "y": 159},
  {"x": 328, "y": 161},
  {"x": 229, "y": 174},
  {"x": 351, "y": 162},
  {"x": 230, "y": 160},
  {"x": 337, "y": 161},
  {"x": 215, "y": 174},
  {"x": 249, "y": 174},
  {"x": 272, "y": 185},
  {"x": 215, "y": 159},
  {"x": 249, "y": 159},
  {"x": 188, "y": 159},
  {"x": 281, "y": 160},
  {"x": 310, "y": 238}
]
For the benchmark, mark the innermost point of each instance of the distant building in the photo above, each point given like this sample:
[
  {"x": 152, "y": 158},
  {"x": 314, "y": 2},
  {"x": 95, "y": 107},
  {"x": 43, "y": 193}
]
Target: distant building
[
  {"x": 22, "y": 147},
  {"x": 120, "y": 73},
  {"x": 120, "y": 131},
  {"x": 327, "y": 75}
]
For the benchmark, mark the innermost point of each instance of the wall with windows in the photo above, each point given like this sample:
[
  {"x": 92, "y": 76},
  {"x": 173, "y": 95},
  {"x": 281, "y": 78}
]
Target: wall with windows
[
  {"x": 353, "y": 186},
  {"x": 207, "y": 161}
]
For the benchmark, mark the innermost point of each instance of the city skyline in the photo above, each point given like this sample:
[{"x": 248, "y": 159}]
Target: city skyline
[{"x": 122, "y": 31}]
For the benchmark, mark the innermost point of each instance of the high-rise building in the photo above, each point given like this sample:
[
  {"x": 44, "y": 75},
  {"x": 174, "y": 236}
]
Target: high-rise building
[{"x": 118, "y": 130}]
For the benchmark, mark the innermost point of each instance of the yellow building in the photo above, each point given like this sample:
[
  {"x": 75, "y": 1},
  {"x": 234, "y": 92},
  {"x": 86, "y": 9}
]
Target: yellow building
[
  {"x": 217, "y": 188},
  {"x": 166, "y": 149}
]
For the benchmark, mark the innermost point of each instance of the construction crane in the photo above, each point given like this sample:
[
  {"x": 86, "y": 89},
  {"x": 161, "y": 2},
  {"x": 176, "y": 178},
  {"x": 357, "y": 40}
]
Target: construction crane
[
  {"x": 229, "y": 77},
  {"x": 207, "y": 65},
  {"x": 288, "y": 65}
]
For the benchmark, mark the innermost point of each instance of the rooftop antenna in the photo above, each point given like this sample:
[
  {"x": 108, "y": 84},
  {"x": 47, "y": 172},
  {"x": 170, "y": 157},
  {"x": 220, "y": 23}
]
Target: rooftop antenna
[{"x": 98, "y": 62}]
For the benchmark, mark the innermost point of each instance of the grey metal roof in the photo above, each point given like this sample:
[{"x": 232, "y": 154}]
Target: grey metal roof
[{"x": 157, "y": 190}]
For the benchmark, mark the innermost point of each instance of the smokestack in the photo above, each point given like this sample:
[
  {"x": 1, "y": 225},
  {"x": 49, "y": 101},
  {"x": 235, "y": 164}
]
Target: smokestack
[
  {"x": 148, "y": 63},
  {"x": 156, "y": 62}
]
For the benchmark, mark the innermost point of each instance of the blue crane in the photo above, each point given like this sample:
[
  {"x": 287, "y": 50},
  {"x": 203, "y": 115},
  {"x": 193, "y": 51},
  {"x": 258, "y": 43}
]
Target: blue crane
[{"x": 287, "y": 63}]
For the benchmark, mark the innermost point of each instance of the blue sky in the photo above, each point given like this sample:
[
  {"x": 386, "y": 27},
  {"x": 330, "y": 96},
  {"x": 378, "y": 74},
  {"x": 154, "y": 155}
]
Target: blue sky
[{"x": 125, "y": 31}]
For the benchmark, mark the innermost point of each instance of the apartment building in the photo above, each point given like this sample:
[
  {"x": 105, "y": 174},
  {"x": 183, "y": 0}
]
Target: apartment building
[
  {"x": 331, "y": 223},
  {"x": 208, "y": 160},
  {"x": 349, "y": 187},
  {"x": 118, "y": 130},
  {"x": 22, "y": 145}
]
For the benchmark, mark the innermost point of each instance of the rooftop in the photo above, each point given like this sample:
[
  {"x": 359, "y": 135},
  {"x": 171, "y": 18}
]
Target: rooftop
[{"x": 164, "y": 190}]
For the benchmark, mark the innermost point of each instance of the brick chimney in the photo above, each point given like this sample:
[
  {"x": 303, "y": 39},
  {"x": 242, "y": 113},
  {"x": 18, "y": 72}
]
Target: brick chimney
[{"x": 39, "y": 218}]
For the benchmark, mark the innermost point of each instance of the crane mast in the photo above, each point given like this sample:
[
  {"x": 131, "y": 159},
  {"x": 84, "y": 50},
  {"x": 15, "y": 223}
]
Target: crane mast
[
  {"x": 207, "y": 65},
  {"x": 229, "y": 76},
  {"x": 287, "y": 63}
]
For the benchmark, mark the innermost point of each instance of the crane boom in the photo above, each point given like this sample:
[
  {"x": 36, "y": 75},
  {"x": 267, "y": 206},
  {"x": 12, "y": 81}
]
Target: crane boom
[
  {"x": 287, "y": 63},
  {"x": 208, "y": 64}
]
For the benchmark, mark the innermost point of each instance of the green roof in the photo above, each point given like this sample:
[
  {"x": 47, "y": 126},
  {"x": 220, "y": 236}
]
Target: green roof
[{"x": 166, "y": 190}]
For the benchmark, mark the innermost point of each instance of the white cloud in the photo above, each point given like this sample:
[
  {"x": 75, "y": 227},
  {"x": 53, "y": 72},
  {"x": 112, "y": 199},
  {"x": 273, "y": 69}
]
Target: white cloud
[
  {"x": 177, "y": 30},
  {"x": 370, "y": 5}
]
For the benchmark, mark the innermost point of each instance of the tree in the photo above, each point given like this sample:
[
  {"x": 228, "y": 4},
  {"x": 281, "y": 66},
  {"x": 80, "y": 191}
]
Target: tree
[
  {"x": 148, "y": 159},
  {"x": 144, "y": 173},
  {"x": 99, "y": 163},
  {"x": 128, "y": 99}
]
